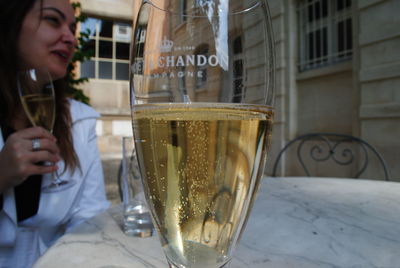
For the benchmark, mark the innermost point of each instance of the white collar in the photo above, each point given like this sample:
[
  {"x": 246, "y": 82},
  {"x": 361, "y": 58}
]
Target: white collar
[{"x": 81, "y": 111}]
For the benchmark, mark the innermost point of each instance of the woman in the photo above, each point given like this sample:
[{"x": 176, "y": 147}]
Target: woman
[{"x": 37, "y": 34}]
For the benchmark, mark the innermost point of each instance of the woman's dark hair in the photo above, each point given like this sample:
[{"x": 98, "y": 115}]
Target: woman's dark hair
[{"x": 12, "y": 14}]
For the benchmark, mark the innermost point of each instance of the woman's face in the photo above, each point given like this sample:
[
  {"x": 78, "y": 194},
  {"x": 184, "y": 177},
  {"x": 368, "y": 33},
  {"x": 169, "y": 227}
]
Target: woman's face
[{"x": 47, "y": 38}]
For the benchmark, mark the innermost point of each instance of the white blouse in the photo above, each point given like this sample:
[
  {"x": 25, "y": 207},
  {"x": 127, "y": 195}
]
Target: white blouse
[{"x": 22, "y": 243}]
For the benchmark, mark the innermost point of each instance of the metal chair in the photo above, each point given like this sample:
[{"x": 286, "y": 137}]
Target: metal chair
[{"x": 339, "y": 149}]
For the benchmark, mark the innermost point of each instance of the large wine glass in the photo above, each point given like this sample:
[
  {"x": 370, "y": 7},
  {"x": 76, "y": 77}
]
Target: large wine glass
[
  {"x": 202, "y": 109},
  {"x": 36, "y": 91}
]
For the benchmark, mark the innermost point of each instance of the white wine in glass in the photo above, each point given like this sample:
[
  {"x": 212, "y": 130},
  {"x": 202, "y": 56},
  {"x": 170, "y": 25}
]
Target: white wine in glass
[
  {"x": 202, "y": 110},
  {"x": 41, "y": 109},
  {"x": 36, "y": 92}
]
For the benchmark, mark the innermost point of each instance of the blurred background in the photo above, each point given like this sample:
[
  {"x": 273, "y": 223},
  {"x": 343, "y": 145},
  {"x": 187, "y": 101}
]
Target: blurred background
[{"x": 338, "y": 70}]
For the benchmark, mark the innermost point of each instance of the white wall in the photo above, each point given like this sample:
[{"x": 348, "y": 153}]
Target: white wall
[{"x": 121, "y": 9}]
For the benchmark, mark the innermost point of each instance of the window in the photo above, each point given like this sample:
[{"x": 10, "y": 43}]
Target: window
[
  {"x": 182, "y": 81},
  {"x": 238, "y": 93},
  {"x": 201, "y": 67},
  {"x": 139, "y": 49},
  {"x": 325, "y": 32},
  {"x": 182, "y": 11},
  {"x": 110, "y": 41}
]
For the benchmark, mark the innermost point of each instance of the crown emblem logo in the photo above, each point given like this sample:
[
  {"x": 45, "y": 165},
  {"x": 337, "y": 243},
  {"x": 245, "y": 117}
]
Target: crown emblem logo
[{"x": 166, "y": 45}]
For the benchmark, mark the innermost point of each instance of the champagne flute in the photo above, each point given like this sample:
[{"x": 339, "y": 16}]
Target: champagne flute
[
  {"x": 36, "y": 92},
  {"x": 202, "y": 109}
]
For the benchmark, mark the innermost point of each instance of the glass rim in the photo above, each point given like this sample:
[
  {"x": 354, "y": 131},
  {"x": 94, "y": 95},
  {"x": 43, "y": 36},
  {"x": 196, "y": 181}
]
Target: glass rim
[
  {"x": 244, "y": 106},
  {"x": 249, "y": 8}
]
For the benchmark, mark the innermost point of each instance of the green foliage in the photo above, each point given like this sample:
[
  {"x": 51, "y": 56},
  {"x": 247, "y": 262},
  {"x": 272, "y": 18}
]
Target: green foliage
[{"x": 80, "y": 55}]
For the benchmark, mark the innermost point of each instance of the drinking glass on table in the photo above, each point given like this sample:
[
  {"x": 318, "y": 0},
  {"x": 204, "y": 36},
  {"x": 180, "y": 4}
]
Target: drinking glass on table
[
  {"x": 36, "y": 91},
  {"x": 137, "y": 219},
  {"x": 202, "y": 109}
]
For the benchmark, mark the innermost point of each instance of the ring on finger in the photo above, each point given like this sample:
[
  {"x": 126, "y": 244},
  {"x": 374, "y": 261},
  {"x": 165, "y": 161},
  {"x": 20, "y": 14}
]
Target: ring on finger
[{"x": 36, "y": 144}]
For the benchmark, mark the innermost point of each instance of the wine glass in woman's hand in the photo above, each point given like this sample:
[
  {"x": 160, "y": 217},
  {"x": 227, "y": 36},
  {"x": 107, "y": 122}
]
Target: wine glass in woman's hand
[{"x": 36, "y": 92}]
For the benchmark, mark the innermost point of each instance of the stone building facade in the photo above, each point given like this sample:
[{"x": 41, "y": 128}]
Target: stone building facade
[
  {"x": 359, "y": 95},
  {"x": 110, "y": 23},
  {"x": 338, "y": 70}
]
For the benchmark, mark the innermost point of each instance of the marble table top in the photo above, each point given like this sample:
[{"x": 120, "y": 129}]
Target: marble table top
[{"x": 296, "y": 222}]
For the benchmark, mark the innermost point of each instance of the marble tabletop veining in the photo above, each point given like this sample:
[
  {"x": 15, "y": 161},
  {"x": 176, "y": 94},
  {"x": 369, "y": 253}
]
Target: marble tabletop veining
[{"x": 296, "y": 222}]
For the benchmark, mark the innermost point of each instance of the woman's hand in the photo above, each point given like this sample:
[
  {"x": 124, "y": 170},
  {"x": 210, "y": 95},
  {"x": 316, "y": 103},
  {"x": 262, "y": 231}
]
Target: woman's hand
[{"x": 19, "y": 159}]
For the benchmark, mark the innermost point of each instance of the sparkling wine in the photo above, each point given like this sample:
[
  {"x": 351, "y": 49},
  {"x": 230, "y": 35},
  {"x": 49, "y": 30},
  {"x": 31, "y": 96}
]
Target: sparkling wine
[
  {"x": 40, "y": 109},
  {"x": 201, "y": 164}
]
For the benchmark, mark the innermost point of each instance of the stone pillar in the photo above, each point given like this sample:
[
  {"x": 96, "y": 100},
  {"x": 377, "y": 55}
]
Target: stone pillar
[{"x": 379, "y": 78}]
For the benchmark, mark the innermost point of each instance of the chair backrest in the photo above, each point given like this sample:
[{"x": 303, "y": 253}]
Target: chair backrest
[{"x": 338, "y": 149}]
